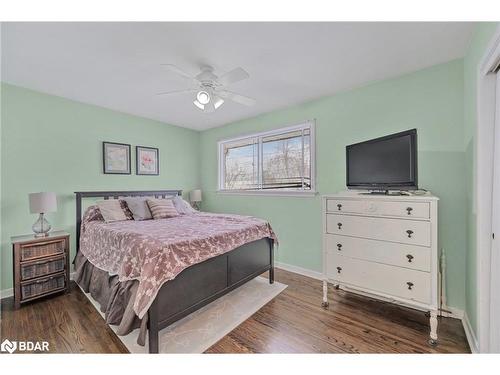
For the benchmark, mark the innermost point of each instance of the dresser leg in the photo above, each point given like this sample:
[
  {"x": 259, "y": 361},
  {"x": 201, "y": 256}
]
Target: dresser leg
[
  {"x": 325, "y": 294},
  {"x": 434, "y": 324}
]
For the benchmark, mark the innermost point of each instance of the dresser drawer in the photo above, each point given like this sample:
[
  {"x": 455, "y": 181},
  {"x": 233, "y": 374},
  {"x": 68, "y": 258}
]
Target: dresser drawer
[
  {"x": 389, "y": 280},
  {"x": 392, "y": 253},
  {"x": 420, "y": 210},
  {"x": 42, "y": 249},
  {"x": 404, "y": 231},
  {"x": 46, "y": 285},
  {"x": 45, "y": 266}
]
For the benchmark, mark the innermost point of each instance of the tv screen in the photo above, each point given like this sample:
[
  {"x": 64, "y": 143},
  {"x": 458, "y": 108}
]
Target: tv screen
[{"x": 383, "y": 163}]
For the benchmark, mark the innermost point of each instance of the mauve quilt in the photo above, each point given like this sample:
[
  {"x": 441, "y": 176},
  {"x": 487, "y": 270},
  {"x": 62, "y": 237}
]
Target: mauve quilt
[{"x": 155, "y": 251}]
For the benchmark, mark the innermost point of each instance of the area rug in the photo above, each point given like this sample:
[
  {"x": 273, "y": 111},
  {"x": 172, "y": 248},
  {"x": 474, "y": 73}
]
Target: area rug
[{"x": 200, "y": 330}]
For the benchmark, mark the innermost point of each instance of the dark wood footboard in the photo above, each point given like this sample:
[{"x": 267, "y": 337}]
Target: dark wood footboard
[{"x": 203, "y": 283}]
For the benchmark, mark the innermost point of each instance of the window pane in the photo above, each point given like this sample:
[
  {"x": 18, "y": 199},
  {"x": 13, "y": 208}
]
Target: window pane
[
  {"x": 241, "y": 164},
  {"x": 284, "y": 163}
]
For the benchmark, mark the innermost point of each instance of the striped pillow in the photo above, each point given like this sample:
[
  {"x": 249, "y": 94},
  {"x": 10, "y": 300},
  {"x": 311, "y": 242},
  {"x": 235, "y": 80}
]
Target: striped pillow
[{"x": 162, "y": 208}]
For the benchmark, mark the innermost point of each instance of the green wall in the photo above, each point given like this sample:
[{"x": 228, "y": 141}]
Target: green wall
[
  {"x": 54, "y": 144},
  {"x": 430, "y": 100},
  {"x": 480, "y": 41}
]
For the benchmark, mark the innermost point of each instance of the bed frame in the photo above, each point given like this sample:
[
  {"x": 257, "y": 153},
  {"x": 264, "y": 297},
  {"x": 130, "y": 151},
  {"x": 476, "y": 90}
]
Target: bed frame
[{"x": 199, "y": 284}]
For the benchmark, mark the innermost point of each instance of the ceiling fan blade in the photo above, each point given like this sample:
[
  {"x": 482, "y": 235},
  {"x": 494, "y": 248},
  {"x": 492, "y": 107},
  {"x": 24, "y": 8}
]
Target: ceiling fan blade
[
  {"x": 241, "y": 99},
  {"x": 233, "y": 76},
  {"x": 176, "y": 92},
  {"x": 177, "y": 70}
]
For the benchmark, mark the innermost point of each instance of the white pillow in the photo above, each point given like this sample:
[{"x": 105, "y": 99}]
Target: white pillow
[
  {"x": 111, "y": 210},
  {"x": 182, "y": 206}
]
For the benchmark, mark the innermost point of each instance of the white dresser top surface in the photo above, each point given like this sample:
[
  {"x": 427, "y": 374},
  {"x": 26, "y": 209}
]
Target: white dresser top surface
[{"x": 363, "y": 194}]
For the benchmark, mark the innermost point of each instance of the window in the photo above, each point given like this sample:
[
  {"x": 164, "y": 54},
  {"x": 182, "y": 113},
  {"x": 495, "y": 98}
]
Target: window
[{"x": 280, "y": 160}]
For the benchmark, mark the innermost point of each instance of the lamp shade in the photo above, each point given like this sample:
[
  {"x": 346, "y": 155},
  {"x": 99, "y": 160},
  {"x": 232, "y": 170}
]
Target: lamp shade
[
  {"x": 42, "y": 202},
  {"x": 195, "y": 195}
]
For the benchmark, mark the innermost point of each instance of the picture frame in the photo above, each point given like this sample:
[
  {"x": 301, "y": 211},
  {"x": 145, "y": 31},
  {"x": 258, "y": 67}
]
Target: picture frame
[
  {"x": 147, "y": 161},
  {"x": 116, "y": 158}
]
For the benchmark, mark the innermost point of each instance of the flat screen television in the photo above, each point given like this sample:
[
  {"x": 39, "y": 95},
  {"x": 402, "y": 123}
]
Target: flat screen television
[{"x": 384, "y": 163}]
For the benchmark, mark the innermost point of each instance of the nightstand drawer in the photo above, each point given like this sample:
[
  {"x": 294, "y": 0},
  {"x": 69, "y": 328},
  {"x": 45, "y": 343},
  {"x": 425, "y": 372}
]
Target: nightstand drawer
[
  {"x": 42, "y": 249},
  {"x": 46, "y": 285},
  {"x": 44, "y": 267}
]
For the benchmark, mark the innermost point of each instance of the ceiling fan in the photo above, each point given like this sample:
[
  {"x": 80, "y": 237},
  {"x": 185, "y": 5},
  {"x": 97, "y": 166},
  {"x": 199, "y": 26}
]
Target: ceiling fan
[{"x": 211, "y": 89}]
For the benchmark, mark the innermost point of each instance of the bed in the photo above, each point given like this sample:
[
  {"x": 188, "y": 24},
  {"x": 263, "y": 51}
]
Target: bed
[{"x": 169, "y": 267}]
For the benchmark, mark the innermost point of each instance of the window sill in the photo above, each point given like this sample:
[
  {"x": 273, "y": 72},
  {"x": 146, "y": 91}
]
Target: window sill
[{"x": 275, "y": 193}]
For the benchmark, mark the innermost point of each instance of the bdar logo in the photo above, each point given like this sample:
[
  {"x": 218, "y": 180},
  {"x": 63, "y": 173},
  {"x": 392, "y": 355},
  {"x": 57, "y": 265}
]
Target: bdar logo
[{"x": 8, "y": 346}]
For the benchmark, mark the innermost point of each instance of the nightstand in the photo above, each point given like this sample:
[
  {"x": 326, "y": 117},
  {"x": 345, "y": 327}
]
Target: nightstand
[{"x": 41, "y": 266}]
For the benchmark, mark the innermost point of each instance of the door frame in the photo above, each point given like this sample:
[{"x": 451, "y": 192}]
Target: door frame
[{"x": 486, "y": 100}]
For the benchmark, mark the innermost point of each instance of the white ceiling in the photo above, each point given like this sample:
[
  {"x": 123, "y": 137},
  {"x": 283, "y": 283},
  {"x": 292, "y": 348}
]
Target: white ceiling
[{"x": 117, "y": 65}]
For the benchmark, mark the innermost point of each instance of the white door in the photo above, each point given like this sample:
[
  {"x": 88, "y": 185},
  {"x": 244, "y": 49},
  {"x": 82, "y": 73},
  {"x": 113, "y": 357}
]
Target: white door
[{"x": 495, "y": 248}]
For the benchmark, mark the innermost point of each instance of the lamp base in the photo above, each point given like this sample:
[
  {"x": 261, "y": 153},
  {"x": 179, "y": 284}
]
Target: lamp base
[{"x": 41, "y": 227}]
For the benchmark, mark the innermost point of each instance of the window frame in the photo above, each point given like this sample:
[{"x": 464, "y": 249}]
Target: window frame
[{"x": 309, "y": 124}]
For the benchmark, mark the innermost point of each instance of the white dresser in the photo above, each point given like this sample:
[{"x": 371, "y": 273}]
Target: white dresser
[{"x": 385, "y": 247}]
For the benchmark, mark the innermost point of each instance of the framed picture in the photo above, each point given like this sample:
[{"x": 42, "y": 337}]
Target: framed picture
[
  {"x": 147, "y": 161},
  {"x": 116, "y": 158}
]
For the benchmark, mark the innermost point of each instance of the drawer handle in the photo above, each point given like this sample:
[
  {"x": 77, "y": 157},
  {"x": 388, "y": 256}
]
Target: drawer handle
[
  {"x": 339, "y": 225},
  {"x": 44, "y": 280},
  {"x": 409, "y": 232},
  {"x": 339, "y": 246},
  {"x": 410, "y": 285},
  {"x": 339, "y": 207},
  {"x": 339, "y": 269},
  {"x": 44, "y": 262},
  {"x": 409, "y": 210},
  {"x": 410, "y": 257}
]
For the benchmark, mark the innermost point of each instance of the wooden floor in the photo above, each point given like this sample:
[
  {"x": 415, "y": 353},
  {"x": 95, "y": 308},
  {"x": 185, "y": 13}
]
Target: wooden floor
[{"x": 294, "y": 322}]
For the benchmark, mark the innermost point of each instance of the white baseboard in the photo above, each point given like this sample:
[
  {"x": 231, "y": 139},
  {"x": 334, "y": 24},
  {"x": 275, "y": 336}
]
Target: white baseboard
[
  {"x": 6, "y": 293},
  {"x": 10, "y": 292},
  {"x": 301, "y": 271},
  {"x": 469, "y": 332},
  {"x": 453, "y": 312}
]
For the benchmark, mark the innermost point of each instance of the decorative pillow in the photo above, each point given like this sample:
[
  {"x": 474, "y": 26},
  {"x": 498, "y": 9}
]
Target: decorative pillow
[
  {"x": 162, "y": 208},
  {"x": 92, "y": 213},
  {"x": 139, "y": 207},
  {"x": 111, "y": 210},
  {"x": 126, "y": 210},
  {"x": 182, "y": 206}
]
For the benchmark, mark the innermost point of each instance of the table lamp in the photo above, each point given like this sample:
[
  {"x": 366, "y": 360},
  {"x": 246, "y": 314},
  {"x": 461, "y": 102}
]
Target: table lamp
[
  {"x": 41, "y": 203},
  {"x": 195, "y": 198}
]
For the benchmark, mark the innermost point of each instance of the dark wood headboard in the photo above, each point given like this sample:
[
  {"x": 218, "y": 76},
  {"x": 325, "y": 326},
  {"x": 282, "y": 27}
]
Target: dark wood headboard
[{"x": 114, "y": 195}]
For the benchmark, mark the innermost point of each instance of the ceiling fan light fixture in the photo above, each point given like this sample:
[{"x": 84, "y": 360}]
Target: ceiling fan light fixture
[
  {"x": 203, "y": 97},
  {"x": 218, "y": 102},
  {"x": 198, "y": 104}
]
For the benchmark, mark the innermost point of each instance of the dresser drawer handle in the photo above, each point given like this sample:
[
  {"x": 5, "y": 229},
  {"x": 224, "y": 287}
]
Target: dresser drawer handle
[
  {"x": 409, "y": 210},
  {"x": 339, "y": 269},
  {"x": 410, "y": 257},
  {"x": 339, "y": 207},
  {"x": 339, "y": 246},
  {"x": 409, "y": 232},
  {"x": 339, "y": 225},
  {"x": 410, "y": 285}
]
